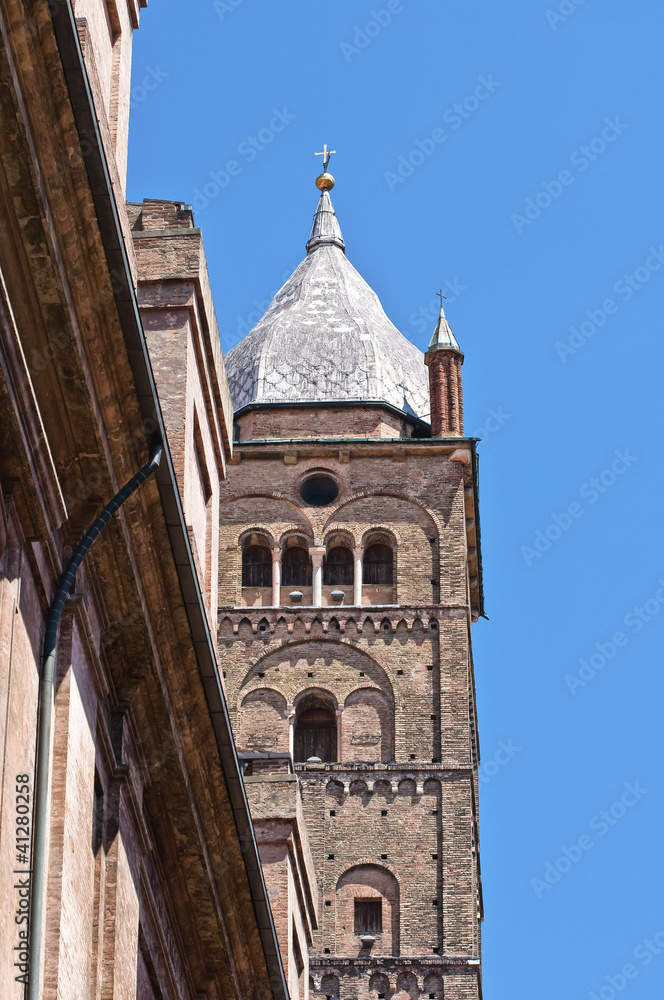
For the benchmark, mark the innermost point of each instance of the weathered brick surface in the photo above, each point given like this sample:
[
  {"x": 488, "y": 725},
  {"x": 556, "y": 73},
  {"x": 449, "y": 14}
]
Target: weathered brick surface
[
  {"x": 445, "y": 392},
  {"x": 420, "y": 501},
  {"x": 110, "y": 29},
  {"x": 181, "y": 330},
  {"x": 147, "y": 890},
  {"x": 281, "y": 833},
  {"x": 395, "y": 817},
  {"x": 321, "y": 422}
]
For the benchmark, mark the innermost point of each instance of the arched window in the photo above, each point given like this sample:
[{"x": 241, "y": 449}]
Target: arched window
[
  {"x": 378, "y": 564},
  {"x": 296, "y": 567},
  {"x": 338, "y": 567},
  {"x": 315, "y": 730},
  {"x": 367, "y": 902},
  {"x": 257, "y": 566}
]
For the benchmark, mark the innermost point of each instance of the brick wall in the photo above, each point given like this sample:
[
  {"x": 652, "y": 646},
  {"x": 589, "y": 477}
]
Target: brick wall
[
  {"x": 146, "y": 880},
  {"x": 320, "y": 422},
  {"x": 182, "y": 335},
  {"x": 110, "y": 25},
  {"x": 394, "y": 817},
  {"x": 281, "y": 833}
]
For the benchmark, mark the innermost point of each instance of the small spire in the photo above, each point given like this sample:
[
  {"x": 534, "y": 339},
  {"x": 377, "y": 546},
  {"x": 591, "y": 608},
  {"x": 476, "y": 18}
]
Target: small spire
[
  {"x": 325, "y": 230},
  {"x": 444, "y": 360},
  {"x": 443, "y": 339}
]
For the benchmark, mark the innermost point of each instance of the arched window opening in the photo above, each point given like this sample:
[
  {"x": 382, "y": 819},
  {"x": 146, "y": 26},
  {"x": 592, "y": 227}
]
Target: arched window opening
[
  {"x": 338, "y": 567},
  {"x": 367, "y": 903},
  {"x": 378, "y": 565},
  {"x": 296, "y": 567},
  {"x": 257, "y": 566},
  {"x": 316, "y": 731}
]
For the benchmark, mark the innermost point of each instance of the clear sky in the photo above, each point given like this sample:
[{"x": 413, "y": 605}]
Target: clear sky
[{"x": 511, "y": 153}]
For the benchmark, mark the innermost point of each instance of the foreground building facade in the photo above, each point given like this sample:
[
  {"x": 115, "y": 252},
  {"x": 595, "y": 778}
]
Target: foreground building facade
[{"x": 148, "y": 882}]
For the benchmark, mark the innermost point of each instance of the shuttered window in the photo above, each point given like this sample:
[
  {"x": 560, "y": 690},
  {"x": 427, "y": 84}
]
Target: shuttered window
[
  {"x": 257, "y": 566},
  {"x": 296, "y": 567},
  {"x": 338, "y": 567},
  {"x": 316, "y": 735},
  {"x": 368, "y": 916},
  {"x": 378, "y": 565}
]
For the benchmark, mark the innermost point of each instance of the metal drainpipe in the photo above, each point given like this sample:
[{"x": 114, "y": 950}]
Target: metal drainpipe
[{"x": 44, "y": 714}]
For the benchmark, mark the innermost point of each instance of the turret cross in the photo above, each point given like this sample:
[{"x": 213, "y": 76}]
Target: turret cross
[{"x": 326, "y": 154}]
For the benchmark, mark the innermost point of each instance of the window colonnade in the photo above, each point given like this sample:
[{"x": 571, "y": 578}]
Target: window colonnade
[{"x": 315, "y": 566}]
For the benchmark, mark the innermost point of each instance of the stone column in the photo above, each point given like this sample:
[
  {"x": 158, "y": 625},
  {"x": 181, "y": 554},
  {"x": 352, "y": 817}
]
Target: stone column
[
  {"x": 276, "y": 577},
  {"x": 317, "y": 553},
  {"x": 291, "y": 716},
  {"x": 357, "y": 579}
]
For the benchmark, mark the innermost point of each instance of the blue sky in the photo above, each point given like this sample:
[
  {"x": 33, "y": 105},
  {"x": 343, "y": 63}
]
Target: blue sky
[{"x": 537, "y": 203}]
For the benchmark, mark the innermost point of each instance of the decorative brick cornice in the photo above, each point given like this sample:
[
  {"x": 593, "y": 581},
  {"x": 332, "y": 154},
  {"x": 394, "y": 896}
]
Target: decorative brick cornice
[
  {"x": 420, "y": 966},
  {"x": 369, "y": 619}
]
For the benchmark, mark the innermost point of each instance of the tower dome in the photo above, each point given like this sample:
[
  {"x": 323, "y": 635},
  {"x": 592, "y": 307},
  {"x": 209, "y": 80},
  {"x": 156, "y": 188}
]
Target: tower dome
[{"x": 325, "y": 337}]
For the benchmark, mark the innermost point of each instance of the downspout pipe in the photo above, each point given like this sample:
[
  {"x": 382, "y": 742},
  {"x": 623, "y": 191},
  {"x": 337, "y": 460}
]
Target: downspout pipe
[{"x": 45, "y": 713}]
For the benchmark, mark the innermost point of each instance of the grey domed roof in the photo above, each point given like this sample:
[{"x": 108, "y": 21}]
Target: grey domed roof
[{"x": 325, "y": 337}]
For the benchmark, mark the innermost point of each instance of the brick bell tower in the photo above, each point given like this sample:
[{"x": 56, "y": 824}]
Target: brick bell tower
[{"x": 350, "y": 577}]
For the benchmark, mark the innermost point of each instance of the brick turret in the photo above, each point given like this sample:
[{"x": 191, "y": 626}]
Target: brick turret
[{"x": 444, "y": 360}]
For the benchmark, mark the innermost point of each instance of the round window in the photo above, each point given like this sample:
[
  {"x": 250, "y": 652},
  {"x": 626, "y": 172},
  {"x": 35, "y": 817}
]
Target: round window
[{"x": 319, "y": 491}]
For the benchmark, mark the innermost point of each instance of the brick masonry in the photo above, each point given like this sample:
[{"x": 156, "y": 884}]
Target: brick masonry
[
  {"x": 394, "y": 818},
  {"x": 316, "y": 422},
  {"x": 147, "y": 890}
]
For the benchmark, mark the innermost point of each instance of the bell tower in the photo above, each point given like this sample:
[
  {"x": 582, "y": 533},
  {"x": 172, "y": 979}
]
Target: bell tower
[{"x": 350, "y": 579}]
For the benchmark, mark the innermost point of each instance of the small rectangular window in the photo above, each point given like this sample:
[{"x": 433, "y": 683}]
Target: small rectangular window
[{"x": 368, "y": 916}]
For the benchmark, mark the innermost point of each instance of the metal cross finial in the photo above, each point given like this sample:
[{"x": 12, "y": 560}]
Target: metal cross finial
[
  {"x": 326, "y": 154},
  {"x": 441, "y": 297}
]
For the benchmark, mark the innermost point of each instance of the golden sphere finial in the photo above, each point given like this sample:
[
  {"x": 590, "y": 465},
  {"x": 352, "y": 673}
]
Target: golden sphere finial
[{"x": 325, "y": 182}]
